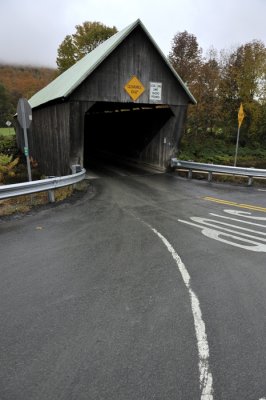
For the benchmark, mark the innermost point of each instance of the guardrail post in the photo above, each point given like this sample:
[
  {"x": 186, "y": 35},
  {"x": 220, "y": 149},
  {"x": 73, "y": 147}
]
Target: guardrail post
[
  {"x": 250, "y": 180},
  {"x": 75, "y": 168},
  {"x": 189, "y": 174},
  {"x": 51, "y": 196},
  {"x": 209, "y": 176}
]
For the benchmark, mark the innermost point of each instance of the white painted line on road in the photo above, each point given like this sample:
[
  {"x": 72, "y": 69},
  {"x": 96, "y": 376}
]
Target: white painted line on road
[
  {"x": 206, "y": 380},
  {"x": 221, "y": 236},
  {"x": 244, "y": 214},
  {"x": 229, "y": 233},
  {"x": 215, "y": 224},
  {"x": 238, "y": 220}
]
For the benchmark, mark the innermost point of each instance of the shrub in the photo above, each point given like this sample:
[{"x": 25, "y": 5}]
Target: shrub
[
  {"x": 218, "y": 151},
  {"x": 8, "y": 145},
  {"x": 7, "y": 166}
]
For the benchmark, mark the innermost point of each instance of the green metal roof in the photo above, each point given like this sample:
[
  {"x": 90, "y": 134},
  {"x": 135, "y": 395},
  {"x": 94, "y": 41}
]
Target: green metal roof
[{"x": 69, "y": 80}]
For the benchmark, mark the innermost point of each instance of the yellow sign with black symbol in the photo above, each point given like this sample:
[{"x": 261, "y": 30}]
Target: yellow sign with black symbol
[
  {"x": 241, "y": 115},
  {"x": 134, "y": 88}
]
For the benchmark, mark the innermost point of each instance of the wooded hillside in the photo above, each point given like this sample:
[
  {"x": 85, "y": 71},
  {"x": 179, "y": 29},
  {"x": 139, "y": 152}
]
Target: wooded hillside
[{"x": 20, "y": 81}]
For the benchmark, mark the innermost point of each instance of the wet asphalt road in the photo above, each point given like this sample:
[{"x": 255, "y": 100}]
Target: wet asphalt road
[{"x": 93, "y": 306}]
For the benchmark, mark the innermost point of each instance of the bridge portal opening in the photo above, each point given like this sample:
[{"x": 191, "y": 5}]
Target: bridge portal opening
[{"x": 122, "y": 129}]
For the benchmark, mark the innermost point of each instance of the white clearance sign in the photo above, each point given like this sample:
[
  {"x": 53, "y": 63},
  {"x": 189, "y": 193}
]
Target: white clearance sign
[{"x": 156, "y": 91}]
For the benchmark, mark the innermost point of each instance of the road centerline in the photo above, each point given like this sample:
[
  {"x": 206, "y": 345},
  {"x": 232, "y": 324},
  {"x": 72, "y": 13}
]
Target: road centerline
[{"x": 234, "y": 204}]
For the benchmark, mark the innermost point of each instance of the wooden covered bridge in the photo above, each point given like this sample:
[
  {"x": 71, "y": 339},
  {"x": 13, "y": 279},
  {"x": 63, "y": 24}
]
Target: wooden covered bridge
[{"x": 123, "y": 98}]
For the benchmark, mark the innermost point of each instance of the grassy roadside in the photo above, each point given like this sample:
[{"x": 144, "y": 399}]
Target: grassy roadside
[{"x": 7, "y": 131}]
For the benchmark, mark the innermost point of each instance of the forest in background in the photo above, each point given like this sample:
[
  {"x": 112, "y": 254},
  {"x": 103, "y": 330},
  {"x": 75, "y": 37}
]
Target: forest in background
[
  {"x": 20, "y": 81},
  {"x": 220, "y": 82}
]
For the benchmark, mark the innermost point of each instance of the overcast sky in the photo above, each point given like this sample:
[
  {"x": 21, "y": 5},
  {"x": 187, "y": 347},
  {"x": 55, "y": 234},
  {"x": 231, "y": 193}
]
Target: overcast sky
[{"x": 32, "y": 30}]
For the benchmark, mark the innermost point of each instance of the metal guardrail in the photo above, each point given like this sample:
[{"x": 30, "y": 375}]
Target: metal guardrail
[
  {"x": 222, "y": 169},
  {"x": 20, "y": 189}
]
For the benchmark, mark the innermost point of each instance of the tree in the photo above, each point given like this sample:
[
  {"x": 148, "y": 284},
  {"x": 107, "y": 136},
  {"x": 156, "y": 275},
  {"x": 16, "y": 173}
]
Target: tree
[
  {"x": 220, "y": 85},
  {"x": 185, "y": 56},
  {"x": 244, "y": 81},
  {"x": 202, "y": 77},
  {"x": 86, "y": 38},
  {"x": 204, "y": 117}
]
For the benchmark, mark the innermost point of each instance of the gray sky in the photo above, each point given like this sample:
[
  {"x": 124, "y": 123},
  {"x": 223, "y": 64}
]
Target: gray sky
[{"x": 32, "y": 30}]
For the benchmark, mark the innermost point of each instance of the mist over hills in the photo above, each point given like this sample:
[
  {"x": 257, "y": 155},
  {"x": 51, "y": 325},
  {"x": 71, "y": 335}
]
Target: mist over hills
[
  {"x": 24, "y": 80},
  {"x": 18, "y": 81}
]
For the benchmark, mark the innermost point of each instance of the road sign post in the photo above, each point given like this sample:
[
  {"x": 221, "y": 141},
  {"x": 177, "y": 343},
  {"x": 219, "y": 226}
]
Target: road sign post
[
  {"x": 8, "y": 123},
  {"x": 24, "y": 114}
]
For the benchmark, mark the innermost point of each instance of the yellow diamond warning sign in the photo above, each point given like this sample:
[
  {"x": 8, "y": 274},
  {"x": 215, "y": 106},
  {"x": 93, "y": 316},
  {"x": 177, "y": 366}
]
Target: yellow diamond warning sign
[
  {"x": 241, "y": 115},
  {"x": 134, "y": 88}
]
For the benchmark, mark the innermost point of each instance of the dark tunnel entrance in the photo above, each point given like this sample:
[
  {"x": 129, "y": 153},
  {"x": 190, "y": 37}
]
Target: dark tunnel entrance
[{"x": 122, "y": 129}]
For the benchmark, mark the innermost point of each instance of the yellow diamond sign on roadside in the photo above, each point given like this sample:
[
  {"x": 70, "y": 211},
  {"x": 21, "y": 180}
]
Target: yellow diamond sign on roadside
[
  {"x": 241, "y": 115},
  {"x": 134, "y": 88}
]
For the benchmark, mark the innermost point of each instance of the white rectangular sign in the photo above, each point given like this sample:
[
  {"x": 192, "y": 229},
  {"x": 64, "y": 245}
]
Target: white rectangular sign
[{"x": 156, "y": 91}]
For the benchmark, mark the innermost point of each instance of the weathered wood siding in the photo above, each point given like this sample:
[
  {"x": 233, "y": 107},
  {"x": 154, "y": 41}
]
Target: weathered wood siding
[
  {"x": 49, "y": 138},
  {"x": 135, "y": 56},
  {"x": 77, "y": 120},
  {"x": 164, "y": 144}
]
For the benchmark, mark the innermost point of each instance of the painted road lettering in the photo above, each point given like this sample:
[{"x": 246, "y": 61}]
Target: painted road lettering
[{"x": 252, "y": 238}]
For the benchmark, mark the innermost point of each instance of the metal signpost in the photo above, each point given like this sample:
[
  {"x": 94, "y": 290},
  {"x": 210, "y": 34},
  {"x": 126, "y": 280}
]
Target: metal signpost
[
  {"x": 8, "y": 123},
  {"x": 24, "y": 114}
]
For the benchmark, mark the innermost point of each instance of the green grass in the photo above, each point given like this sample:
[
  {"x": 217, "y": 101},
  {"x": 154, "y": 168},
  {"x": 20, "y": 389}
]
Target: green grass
[{"x": 7, "y": 131}]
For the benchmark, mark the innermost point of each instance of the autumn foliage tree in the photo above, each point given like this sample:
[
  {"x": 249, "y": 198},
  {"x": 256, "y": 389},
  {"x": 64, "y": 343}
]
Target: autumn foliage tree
[
  {"x": 205, "y": 116},
  {"x": 201, "y": 76},
  {"x": 86, "y": 38},
  {"x": 185, "y": 56},
  {"x": 243, "y": 80},
  {"x": 20, "y": 81},
  {"x": 220, "y": 84}
]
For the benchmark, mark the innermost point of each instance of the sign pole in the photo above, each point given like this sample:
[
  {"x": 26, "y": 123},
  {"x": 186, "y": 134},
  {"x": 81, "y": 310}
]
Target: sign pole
[
  {"x": 26, "y": 148},
  {"x": 237, "y": 142},
  {"x": 24, "y": 115},
  {"x": 8, "y": 123}
]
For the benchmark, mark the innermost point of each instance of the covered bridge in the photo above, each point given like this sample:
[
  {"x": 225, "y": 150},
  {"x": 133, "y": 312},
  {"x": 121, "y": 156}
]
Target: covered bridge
[{"x": 123, "y": 98}]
